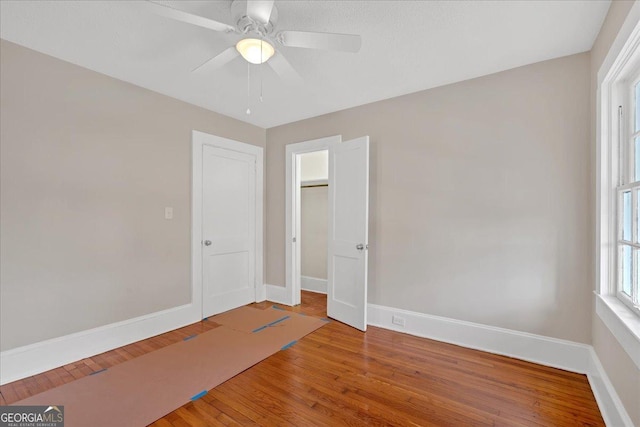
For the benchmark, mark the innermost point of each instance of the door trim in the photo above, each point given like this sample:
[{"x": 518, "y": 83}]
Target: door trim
[
  {"x": 198, "y": 140},
  {"x": 292, "y": 212}
]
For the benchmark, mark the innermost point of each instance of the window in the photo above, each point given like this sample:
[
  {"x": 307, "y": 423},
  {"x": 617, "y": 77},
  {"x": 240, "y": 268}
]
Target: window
[
  {"x": 618, "y": 187},
  {"x": 628, "y": 188}
]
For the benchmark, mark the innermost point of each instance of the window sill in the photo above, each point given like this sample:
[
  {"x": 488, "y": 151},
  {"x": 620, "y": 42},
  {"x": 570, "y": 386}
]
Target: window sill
[{"x": 623, "y": 323}]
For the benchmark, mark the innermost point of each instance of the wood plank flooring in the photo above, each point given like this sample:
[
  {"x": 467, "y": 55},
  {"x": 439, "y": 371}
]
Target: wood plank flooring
[{"x": 340, "y": 376}]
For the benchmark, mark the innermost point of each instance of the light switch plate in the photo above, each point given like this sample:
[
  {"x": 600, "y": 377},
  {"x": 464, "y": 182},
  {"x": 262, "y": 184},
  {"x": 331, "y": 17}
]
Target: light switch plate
[{"x": 168, "y": 213}]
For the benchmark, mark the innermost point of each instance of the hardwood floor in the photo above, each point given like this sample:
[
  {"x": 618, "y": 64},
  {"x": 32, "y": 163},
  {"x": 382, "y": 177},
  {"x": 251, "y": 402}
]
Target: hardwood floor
[{"x": 340, "y": 376}]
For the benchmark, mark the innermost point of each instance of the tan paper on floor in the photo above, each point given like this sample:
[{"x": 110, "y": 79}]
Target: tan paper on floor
[
  {"x": 138, "y": 392},
  {"x": 249, "y": 319}
]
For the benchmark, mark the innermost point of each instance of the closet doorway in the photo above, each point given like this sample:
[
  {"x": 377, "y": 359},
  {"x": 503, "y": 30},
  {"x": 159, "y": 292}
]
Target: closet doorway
[
  {"x": 314, "y": 208},
  {"x": 343, "y": 271}
]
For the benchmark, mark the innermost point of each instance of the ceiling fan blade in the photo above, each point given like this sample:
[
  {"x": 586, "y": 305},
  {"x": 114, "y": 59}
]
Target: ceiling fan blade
[
  {"x": 217, "y": 61},
  {"x": 189, "y": 18},
  {"x": 326, "y": 41},
  {"x": 260, "y": 10},
  {"x": 284, "y": 69}
]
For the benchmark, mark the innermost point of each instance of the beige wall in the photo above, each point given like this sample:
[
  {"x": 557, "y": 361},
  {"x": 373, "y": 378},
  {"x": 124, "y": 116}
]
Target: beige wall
[
  {"x": 314, "y": 231},
  {"x": 621, "y": 370},
  {"x": 88, "y": 164},
  {"x": 479, "y": 198}
]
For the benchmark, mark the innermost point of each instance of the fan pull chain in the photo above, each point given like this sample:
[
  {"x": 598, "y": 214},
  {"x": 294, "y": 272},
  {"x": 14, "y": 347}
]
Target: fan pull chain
[
  {"x": 261, "y": 66},
  {"x": 248, "y": 87}
]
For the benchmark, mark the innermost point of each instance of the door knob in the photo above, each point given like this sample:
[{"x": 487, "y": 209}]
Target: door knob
[
  {"x": 359, "y": 246},
  {"x": 207, "y": 242}
]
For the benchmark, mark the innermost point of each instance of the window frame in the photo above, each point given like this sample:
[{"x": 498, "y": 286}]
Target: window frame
[
  {"x": 619, "y": 318},
  {"x": 626, "y": 177}
]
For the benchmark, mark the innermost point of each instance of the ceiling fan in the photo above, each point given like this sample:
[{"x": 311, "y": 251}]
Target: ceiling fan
[{"x": 256, "y": 24}]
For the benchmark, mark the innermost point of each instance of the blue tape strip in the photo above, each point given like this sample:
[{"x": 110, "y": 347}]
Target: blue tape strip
[
  {"x": 206, "y": 318},
  {"x": 199, "y": 395},
  {"x": 325, "y": 319},
  {"x": 97, "y": 372},
  {"x": 270, "y": 324},
  {"x": 190, "y": 337},
  {"x": 286, "y": 346},
  {"x": 277, "y": 308},
  {"x": 278, "y": 321}
]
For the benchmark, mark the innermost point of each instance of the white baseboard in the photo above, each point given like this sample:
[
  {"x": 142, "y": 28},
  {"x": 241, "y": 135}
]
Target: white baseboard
[
  {"x": 313, "y": 284},
  {"x": 261, "y": 293},
  {"x": 521, "y": 345},
  {"x": 609, "y": 402},
  {"x": 22, "y": 362},
  {"x": 278, "y": 294},
  {"x": 557, "y": 353}
]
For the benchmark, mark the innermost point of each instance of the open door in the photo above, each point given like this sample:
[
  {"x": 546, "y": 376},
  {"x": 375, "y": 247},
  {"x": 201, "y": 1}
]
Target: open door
[{"x": 348, "y": 232}]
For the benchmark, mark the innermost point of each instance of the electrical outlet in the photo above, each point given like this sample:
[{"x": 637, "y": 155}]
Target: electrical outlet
[{"x": 397, "y": 320}]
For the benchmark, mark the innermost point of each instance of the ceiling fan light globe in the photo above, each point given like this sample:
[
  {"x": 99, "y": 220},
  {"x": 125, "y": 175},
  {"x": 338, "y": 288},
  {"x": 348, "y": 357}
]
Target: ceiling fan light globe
[{"x": 255, "y": 51}]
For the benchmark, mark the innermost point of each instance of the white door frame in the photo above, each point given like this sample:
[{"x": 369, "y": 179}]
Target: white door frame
[
  {"x": 199, "y": 139},
  {"x": 292, "y": 212}
]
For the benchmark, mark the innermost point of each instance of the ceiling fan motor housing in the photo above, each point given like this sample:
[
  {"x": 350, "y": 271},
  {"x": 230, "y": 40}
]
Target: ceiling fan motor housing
[{"x": 256, "y": 24}]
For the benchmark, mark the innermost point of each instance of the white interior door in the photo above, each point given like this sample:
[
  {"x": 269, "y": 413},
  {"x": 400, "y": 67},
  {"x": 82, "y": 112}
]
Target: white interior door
[
  {"x": 348, "y": 232},
  {"x": 228, "y": 229}
]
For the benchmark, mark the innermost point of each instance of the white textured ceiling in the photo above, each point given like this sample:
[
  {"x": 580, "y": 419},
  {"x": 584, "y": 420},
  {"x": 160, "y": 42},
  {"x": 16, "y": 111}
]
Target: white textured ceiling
[{"x": 407, "y": 46}]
